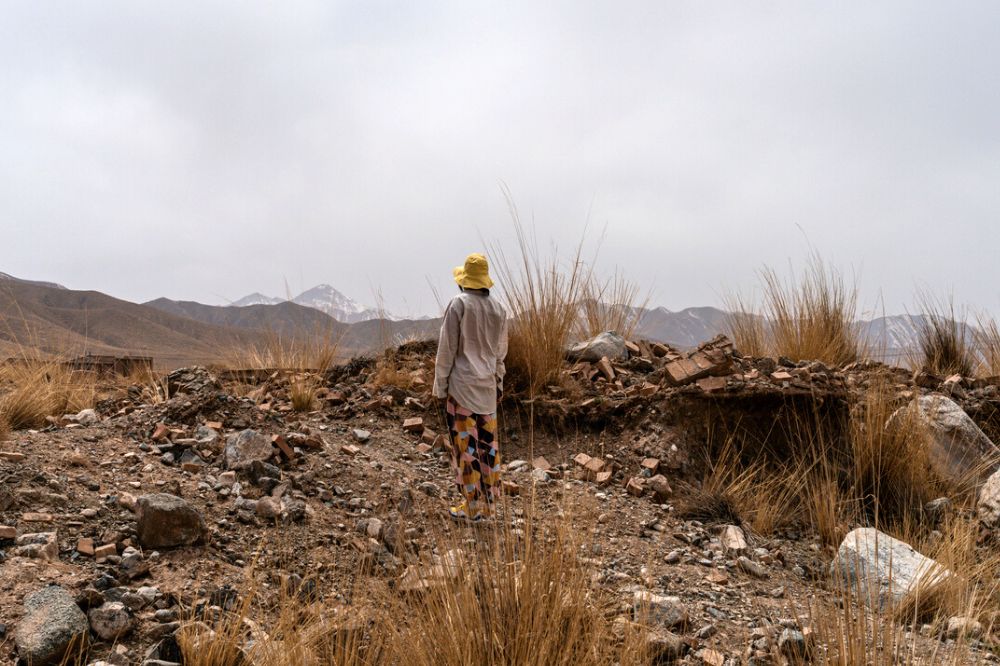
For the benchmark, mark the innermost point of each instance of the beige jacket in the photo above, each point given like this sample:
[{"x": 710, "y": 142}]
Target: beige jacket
[{"x": 471, "y": 350}]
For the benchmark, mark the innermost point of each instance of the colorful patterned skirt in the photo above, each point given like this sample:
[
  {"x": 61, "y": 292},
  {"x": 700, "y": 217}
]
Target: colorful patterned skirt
[{"x": 475, "y": 456}]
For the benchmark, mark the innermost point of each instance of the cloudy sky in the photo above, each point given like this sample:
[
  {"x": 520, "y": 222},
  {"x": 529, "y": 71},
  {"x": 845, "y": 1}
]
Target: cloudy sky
[{"x": 205, "y": 150}]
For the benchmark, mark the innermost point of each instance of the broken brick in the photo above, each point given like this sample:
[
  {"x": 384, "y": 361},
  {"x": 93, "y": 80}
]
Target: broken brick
[
  {"x": 604, "y": 478},
  {"x": 10, "y": 456},
  {"x": 712, "y": 384},
  {"x": 7, "y": 532},
  {"x": 350, "y": 449},
  {"x": 160, "y": 432},
  {"x": 604, "y": 366},
  {"x": 652, "y": 464},
  {"x": 635, "y": 487},
  {"x": 415, "y": 424},
  {"x": 428, "y": 436},
  {"x": 282, "y": 445},
  {"x": 541, "y": 463},
  {"x": 781, "y": 376},
  {"x": 85, "y": 546},
  {"x": 103, "y": 552},
  {"x": 511, "y": 488},
  {"x": 36, "y": 517},
  {"x": 581, "y": 459}
]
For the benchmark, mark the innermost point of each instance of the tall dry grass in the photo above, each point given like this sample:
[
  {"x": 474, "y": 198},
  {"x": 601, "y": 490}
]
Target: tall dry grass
[
  {"x": 807, "y": 317},
  {"x": 542, "y": 296},
  {"x": 610, "y": 305},
  {"x": 499, "y": 595},
  {"x": 943, "y": 347},
  {"x": 987, "y": 339},
  {"x": 33, "y": 388}
]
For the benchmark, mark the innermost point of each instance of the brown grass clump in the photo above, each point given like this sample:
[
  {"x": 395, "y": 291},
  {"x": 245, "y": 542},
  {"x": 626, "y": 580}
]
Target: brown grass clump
[
  {"x": 812, "y": 318},
  {"x": 942, "y": 346},
  {"x": 317, "y": 352},
  {"x": 32, "y": 389},
  {"x": 543, "y": 300},
  {"x": 302, "y": 393}
]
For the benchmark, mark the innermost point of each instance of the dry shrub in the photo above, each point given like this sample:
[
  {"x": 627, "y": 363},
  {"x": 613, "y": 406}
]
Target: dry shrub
[
  {"x": 942, "y": 344},
  {"x": 4, "y": 428},
  {"x": 32, "y": 389},
  {"x": 811, "y": 318},
  {"x": 543, "y": 300}
]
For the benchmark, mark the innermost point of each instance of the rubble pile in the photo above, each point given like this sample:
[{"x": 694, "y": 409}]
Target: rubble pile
[{"x": 122, "y": 526}]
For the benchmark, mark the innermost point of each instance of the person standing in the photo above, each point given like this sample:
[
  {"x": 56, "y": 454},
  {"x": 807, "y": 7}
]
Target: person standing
[{"x": 468, "y": 376}]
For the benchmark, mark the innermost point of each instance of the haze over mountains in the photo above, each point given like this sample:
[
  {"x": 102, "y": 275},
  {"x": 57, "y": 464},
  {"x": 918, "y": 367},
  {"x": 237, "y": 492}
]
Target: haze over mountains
[{"x": 55, "y": 319}]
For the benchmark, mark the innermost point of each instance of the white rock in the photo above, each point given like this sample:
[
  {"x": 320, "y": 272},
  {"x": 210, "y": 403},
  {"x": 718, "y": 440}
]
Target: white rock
[
  {"x": 958, "y": 448},
  {"x": 733, "y": 539},
  {"x": 989, "y": 502},
  {"x": 883, "y": 570},
  {"x": 963, "y": 627}
]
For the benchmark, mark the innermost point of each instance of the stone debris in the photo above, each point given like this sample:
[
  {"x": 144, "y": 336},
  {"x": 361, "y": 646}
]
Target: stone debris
[
  {"x": 665, "y": 611},
  {"x": 40, "y": 545},
  {"x": 111, "y": 620},
  {"x": 957, "y": 446}
]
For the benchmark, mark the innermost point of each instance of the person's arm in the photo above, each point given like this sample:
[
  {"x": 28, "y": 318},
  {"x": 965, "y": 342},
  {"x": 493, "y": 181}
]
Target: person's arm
[
  {"x": 501, "y": 355},
  {"x": 447, "y": 348}
]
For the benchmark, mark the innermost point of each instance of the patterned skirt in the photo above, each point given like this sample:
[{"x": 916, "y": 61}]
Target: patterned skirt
[{"x": 475, "y": 456}]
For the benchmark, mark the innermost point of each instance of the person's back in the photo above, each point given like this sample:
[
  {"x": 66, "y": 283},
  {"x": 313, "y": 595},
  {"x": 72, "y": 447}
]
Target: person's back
[{"x": 468, "y": 375}]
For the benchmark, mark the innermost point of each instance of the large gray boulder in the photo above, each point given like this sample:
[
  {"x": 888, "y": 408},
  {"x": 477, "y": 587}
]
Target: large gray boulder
[
  {"x": 958, "y": 448},
  {"x": 167, "y": 521},
  {"x": 883, "y": 571},
  {"x": 246, "y": 447},
  {"x": 52, "y": 626},
  {"x": 608, "y": 344}
]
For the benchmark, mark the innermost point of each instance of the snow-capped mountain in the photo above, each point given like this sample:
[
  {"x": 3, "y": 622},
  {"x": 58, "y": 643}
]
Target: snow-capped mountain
[
  {"x": 257, "y": 298},
  {"x": 324, "y": 298}
]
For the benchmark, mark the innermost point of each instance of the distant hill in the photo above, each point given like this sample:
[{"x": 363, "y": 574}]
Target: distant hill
[
  {"x": 64, "y": 321},
  {"x": 289, "y": 320},
  {"x": 11, "y": 278},
  {"x": 324, "y": 298}
]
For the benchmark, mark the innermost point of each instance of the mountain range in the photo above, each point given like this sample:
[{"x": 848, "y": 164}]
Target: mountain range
[
  {"x": 324, "y": 298},
  {"x": 55, "y": 319}
]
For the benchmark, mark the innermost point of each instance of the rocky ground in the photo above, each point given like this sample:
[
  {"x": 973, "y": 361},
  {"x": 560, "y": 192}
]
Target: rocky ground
[{"x": 118, "y": 523}]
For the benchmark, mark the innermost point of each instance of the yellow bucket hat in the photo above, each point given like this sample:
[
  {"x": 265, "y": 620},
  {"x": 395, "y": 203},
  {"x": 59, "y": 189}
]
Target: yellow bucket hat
[{"x": 475, "y": 274}]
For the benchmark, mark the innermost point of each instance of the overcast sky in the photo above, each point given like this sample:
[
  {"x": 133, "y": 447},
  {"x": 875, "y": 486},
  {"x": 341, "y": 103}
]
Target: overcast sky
[{"x": 205, "y": 150}]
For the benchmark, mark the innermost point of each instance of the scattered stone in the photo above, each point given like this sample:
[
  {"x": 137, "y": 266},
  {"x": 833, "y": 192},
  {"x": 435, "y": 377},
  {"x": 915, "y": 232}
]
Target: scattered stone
[
  {"x": 52, "y": 625},
  {"x": 361, "y": 435},
  {"x": 110, "y": 620},
  {"x": 755, "y": 569},
  {"x": 245, "y": 447},
  {"x": 792, "y": 644},
  {"x": 882, "y": 569},
  {"x": 635, "y": 486},
  {"x": 988, "y": 505},
  {"x": 667, "y": 612},
  {"x": 660, "y": 487},
  {"x": 963, "y": 627},
  {"x": 733, "y": 539},
  {"x": 167, "y": 521},
  {"x": 40, "y": 545}
]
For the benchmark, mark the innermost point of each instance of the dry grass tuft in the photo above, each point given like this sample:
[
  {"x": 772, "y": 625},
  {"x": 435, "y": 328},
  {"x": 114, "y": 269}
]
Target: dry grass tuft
[
  {"x": 302, "y": 392},
  {"x": 543, "y": 300},
  {"x": 942, "y": 344},
  {"x": 32, "y": 389},
  {"x": 317, "y": 352},
  {"x": 811, "y": 318}
]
